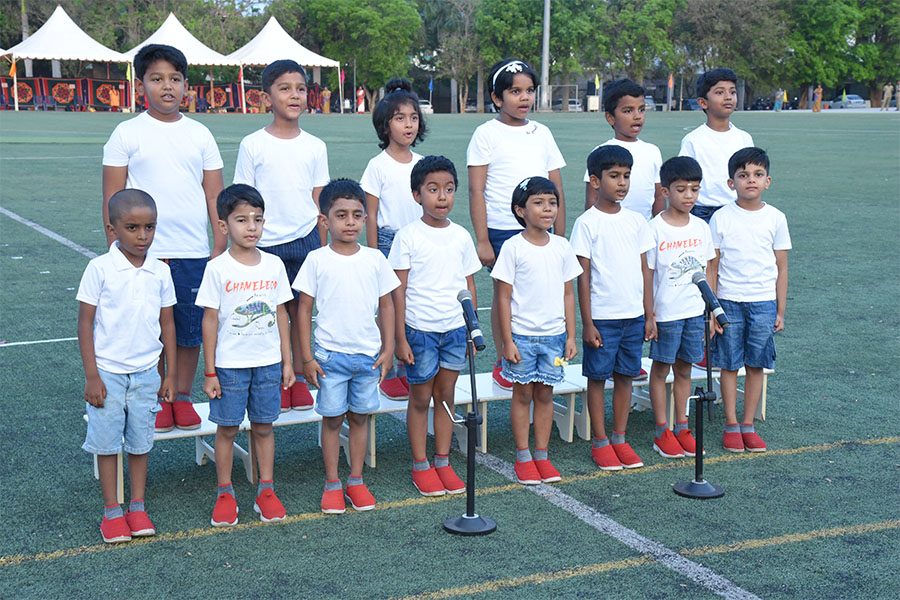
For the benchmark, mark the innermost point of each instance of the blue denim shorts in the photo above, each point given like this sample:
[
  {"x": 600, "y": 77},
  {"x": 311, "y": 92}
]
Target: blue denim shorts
[
  {"x": 187, "y": 274},
  {"x": 749, "y": 339},
  {"x": 293, "y": 253},
  {"x": 129, "y": 412},
  {"x": 681, "y": 338},
  {"x": 350, "y": 383},
  {"x": 623, "y": 340},
  {"x": 536, "y": 354},
  {"x": 385, "y": 239},
  {"x": 498, "y": 236},
  {"x": 255, "y": 391},
  {"x": 433, "y": 350}
]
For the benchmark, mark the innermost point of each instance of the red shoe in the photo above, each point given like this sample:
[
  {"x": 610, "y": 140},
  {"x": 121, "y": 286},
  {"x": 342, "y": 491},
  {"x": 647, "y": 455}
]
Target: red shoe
[
  {"x": 499, "y": 380},
  {"x": 627, "y": 456},
  {"x": 668, "y": 446},
  {"x": 301, "y": 399},
  {"x": 548, "y": 472},
  {"x": 139, "y": 523},
  {"x": 225, "y": 513},
  {"x": 702, "y": 364},
  {"x": 185, "y": 415},
  {"x": 606, "y": 458},
  {"x": 285, "y": 399},
  {"x": 752, "y": 442},
  {"x": 733, "y": 441},
  {"x": 333, "y": 502},
  {"x": 115, "y": 530},
  {"x": 451, "y": 483},
  {"x": 395, "y": 388},
  {"x": 359, "y": 496},
  {"x": 687, "y": 442},
  {"x": 164, "y": 419},
  {"x": 269, "y": 507},
  {"x": 428, "y": 482},
  {"x": 642, "y": 375},
  {"x": 527, "y": 473}
]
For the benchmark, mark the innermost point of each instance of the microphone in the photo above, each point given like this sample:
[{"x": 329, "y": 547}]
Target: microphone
[
  {"x": 465, "y": 298},
  {"x": 712, "y": 303}
]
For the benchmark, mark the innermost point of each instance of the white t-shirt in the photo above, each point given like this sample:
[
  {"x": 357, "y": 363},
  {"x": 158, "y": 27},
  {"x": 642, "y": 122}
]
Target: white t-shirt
[
  {"x": 128, "y": 301},
  {"x": 247, "y": 298},
  {"x": 747, "y": 240},
  {"x": 347, "y": 290},
  {"x": 677, "y": 253},
  {"x": 644, "y": 175},
  {"x": 511, "y": 154},
  {"x": 438, "y": 260},
  {"x": 537, "y": 275},
  {"x": 167, "y": 160},
  {"x": 712, "y": 149},
  {"x": 614, "y": 244},
  {"x": 285, "y": 173},
  {"x": 389, "y": 181}
]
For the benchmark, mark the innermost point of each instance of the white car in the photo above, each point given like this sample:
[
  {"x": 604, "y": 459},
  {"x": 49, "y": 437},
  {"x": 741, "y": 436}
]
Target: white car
[
  {"x": 853, "y": 101},
  {"x": 574, "y": 105},
  {"x": 427, "y": 108}
]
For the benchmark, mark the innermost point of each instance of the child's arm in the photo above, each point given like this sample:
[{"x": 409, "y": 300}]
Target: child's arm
[
  {"x": 311, "y": 368},
  {"x": 210, "y": 330},
  {"x": 323, "y": 229},
  {"x": 589, "y": 333},
  {"x": 712, "y": 278},
  {"x": 478, "y": 213},
  {"x": 114, "y": 179},
  {"x": 372, "y": 221},
  {"x": 212, "y": 184},
  {"x": 401, "y": 347},
  {"x": 284, "y": 334},
  {"x": 559, "y": 227},
  {"x": 781, "y": 285},
  {"x": 649, "y": 318},
  {"x": 659, "y": 200},
  {"x": 569, "y": 300},
  {"x": 386, "y": 324},
  {"x": 94, "y": 390},
  {"x": 504, "y": 319},
  {"x": 167, "y": 389}
]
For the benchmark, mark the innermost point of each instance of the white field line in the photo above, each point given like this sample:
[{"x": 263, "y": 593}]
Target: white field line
[{"x": 53, "y": 236}]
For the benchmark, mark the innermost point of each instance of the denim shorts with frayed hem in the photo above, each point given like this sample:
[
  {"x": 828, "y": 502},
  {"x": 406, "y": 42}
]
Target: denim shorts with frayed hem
[
  {"x": 536, "y": 354},
  {"x": 255, "y": 391},
  {"x": 129, "y": 411},
  {"x": 749, "y": 339},
  {"x": 433, "y": 350},
  {"x": 350, "y": 383},
  {"x": 620, "y": 353}
]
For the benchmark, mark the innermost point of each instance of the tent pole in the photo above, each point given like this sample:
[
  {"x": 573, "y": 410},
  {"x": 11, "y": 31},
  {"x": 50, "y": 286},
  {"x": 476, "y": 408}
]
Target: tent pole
[
  {"x": 15, "y": 83},
  {"x": 131, "y": 84},
  {"x": 243, "y": 95},
  {"x": 340, "y": 88}
]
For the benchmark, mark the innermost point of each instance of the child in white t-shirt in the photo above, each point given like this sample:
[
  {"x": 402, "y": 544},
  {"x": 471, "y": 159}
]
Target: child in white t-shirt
[
  {"x": 435, "y": 260},
  {"x": 246, "y": 348},
  {"x": 615, "y": 294},
  {"x": 124, "y": 321},
  {"x": 750, "y": 277},
  {"x": 503, "y": 152},
  {"x": 348, "y": 283},
  {"x": 623, "y": 101},
  {"x": 534, "y": 273},
  {"x": 289, "y": 167},
  {"x": 682, "y": 247}
]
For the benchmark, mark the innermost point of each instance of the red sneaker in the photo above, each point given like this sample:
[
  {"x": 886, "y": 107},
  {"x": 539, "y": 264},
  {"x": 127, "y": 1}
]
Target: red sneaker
[
  {"x": 733, "y": 441},
  {"x": 527, "y": 473},
  {"x": 333, "y": 502},
  {"x": 225, "y": 513},
  {"x": 428, "y": 482},
  {"x": 642, "y": 375},
  {"x": 139, "y": 523},
  {"x": 499, "y": 380},
  {"x": 627, "y": 456},
  {"x": 359, "y": 496},
  {"x": 451, "y": 483},
  {"x": 301, "y": 399},
  {"x": 606, "y": 458},
  {"x": 394, "y": 389},
  {"x": 752, "y": 442},
  {"x": 185, "y": 415},
  {"x": 687, "y": 442},
  {"x": 285, "y": 399},
  {"x": 668, "y": 446},
  {"x": 269, "y": 506},
  {"x": 115, "y": 530},
  {"x": 164, "y": 419},
  {"x": 548, "y": 472},
  {"x": 702, "y": 363}
]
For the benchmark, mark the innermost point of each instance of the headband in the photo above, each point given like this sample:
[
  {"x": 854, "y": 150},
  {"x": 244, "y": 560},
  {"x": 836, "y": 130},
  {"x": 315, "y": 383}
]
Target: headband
[
  {"x": 524, "y": 184},
  {"x": 516, "y": 66}
]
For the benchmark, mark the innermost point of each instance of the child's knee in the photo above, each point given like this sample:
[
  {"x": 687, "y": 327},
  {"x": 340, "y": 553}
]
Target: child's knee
[
  {"x": 227, "y": 432},
  {"x": 262, "y": 430}
]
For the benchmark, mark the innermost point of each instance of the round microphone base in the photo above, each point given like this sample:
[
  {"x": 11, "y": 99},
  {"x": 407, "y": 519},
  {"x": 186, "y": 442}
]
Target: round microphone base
[
  {"x": 698, "y": 489},
  {"x": 466, "y": 525}
]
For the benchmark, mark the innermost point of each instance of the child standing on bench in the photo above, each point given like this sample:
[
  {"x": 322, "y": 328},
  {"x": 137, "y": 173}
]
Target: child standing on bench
[
  {"x": 246, "y": 348},
  {"x": 534, "y": 274},
  {"x": 750, "y": 277},
  {"x": 349, "y": 284},
  {"x": 126, "y": 301}
]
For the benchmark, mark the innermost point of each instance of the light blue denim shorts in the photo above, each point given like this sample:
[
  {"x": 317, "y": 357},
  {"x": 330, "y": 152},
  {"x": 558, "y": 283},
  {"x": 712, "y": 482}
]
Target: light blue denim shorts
[
  {"x": 749, "y": 339},
  {"x": 536, "y": 355},
  {"x": 255, "y": 391},
  {"x": 350, "y": 383},
  {"x": 433, "y": 350},
  {"x": 129, "y": 412},
  {"x": 681, "y": 338}
]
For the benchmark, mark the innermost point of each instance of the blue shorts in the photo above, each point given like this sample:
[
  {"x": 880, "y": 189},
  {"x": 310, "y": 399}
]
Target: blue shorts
[
  {"x": 433, "y": 350},
  {"x": 293, "y": 253},
  {"x": 255, "y": 391},
  {"x": 681, "y": 338},
  {"x": 620, "y": 353},
  {"x": 498, "y": 236},
  {"x": 385, "y": 239},
  {"x": 749, "y": 339},
  {"x": 704, "y": 212},
  {"x": 536, "y": 354},
  {"x": 350, "y": 383},
  {"x": 187, "y": 274},
  {"x": 129, "y": 412}
]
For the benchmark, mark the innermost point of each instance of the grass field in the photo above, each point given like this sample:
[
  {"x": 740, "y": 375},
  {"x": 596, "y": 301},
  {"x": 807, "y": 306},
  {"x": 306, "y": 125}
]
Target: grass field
[{"x": 818, "y": 516}]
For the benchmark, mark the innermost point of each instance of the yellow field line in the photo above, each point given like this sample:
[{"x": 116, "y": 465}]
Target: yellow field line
[{"x": 17, "y": 559}]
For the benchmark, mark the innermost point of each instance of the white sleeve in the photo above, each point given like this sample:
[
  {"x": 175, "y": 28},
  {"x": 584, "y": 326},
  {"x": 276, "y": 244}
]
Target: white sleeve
[
  {"x": 471, "y": 264},
  {"x": 284, "y": 286},
  {"x": 115, "y": 151},
  {"x": 209, "y": 295},
  {"x": 479, "y": 152},
  {"x": 504, "y": 268},
  {"x": 244, "y": 171},
  {"x": 212, "y": 160},
  {"x": 399, "y": 256},
  {"x": 555, "y": 158},
  {"x": 571, "y": 266},
  {"x": 652, "y": 252},
  {"x": 387, "y": 279},
  {"x": 371, "y": 180},
  {"x": 305, "y": 281},
  {"x": 91, "y": 285},
  {"x": 714, "y": 231},
  {"x": 707, "y": 241},
  {"x": 320, "y": 172},
  {"x": 646, "y": 236},
  {"x": 782, "y": 239},
  {"x": 167, "y": 291},
  {"x": 581, "y": 239},
  {"x": 657, "y": 163},
  {"x": 687, "y": 148}
]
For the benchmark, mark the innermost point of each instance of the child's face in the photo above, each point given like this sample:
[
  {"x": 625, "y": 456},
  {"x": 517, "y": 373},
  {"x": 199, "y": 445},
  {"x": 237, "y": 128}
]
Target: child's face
[
  {"x": 436, "y": 196},
  {"x": 164, "y": 88},
  {"x": 750, "y": 181},
  {"x": 135, "y": 229},
  {"x": 244, "y": 226},
  {"x": 540, "y": 211},
  {"x": 721, "y": 99},
  {"x": 517, "y": 99},
  {"x": 345, "y": 220},
  {"x": 287, "y": 96},
  {"x": 404, "y": 126},
  {"x": 612, "y": 185},
  {"x": 682, "y": 195},
  {"x": 628, "y": 118}
]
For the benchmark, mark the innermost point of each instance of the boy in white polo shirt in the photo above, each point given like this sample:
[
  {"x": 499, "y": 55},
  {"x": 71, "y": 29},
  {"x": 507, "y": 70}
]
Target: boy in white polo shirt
[{"x": 126, "y": 309}]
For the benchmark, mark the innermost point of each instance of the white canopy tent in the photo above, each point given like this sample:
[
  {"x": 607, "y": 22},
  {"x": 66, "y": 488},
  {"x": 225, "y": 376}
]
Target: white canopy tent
[
  {"x": 273, "y": 43},
  {"x": 60, "y": 39}
]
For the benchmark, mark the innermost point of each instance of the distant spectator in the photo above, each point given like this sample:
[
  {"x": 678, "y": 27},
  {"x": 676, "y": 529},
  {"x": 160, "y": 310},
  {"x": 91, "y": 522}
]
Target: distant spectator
[
  {"x": 779, "y": 99},
  {"x": 886, "y": 92},
  {"x": 817, "y": 99}
]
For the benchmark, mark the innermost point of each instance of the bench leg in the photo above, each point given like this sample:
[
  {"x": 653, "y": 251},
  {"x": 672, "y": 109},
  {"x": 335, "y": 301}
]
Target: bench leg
[
  {"x": 761, "y": 407},
  {"x": 203, "y": 451},
  {"x": 564, "y": 417},
  {"x": 582, "y": 419},
  {"x": 246, "y": 457},
  {"x": 120, "y": 479}
]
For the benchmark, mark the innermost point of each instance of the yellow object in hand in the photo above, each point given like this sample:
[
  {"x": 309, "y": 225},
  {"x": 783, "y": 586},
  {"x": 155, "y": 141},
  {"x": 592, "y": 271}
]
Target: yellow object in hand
[{"x": 560, "y": 362}]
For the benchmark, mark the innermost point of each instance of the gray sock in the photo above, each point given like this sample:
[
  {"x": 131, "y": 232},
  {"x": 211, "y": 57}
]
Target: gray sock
[
  {"x": 661, "y": 429},
  {"x": 540, "y": 454},
  {"x": 225, "y": 489},
  {"x": 733, "y": 428},
  {"x": 264, "y": 485},
  {"x": 747, "y": 428},
  {"x": 354, "y": 480},
  {"x": 421, "y": 465},
  {"x": 617, "y": 438},
  {"x": 599, "y": 442},
  {"x": 441, "y": 461},
  {"x": 183, "y": 397},
  {"x": 112, "y": 512},
  {"x": 523, "y": 455},
  {"x": 680, "y": 426},
  {"x": 136, "y": 506},
  {"x": 332, "y": 485}
]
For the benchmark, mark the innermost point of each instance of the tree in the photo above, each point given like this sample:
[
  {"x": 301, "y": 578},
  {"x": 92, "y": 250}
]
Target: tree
[
  {"x": 877, "y": 45},
  {"x": 458, "y": 46},
  {"x": 638, "y": 34}
]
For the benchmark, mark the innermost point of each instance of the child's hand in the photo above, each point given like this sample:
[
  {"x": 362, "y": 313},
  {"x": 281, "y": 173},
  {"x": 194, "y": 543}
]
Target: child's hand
[
  {"x": 779, "y": 323},
  {"x": 167, "y": 388},
  {"x": 311, "y": 372},
  {"x": 94, "y": 392},
  {"x": 571, "y": 348},
  {"x": 591, "y": 336},
  {"x": 511, "y": 353},
  {"x": 486, "y": 254},
  {"x": 211, "y": 387},
  {"x": 288, "y": 378},
  {"x": 385, "y": 362},
  {"x": 650, "y": 332},
  {"x": 715, "y": 329},
  {"x": 404, "y": 353}
]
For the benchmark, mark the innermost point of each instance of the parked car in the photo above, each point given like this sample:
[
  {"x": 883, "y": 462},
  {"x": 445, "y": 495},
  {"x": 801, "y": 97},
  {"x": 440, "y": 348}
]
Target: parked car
[
  {"x": 853, "y": 101},
  {"x": 427, "y": 108},
  {"x": 761, "y": 104},
  {"x": 471, "y": 107},
  {"x": 649, "y": 103},
  {"x": 690, "y": 104},
  {"x": 574, "y": 105}
]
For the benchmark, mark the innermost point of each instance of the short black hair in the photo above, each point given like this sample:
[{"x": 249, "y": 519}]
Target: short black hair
[
  {"x": 428, "y": 165},
  {"x": 151, "y": 53},
  {"x": 233, "y": 195},
  {"x": 706, "y": 81},
  {"x": 747, "y": 156},
  {"x": 340, "y": 188},
  {"x": 527, "y": 188},
  {"x": 607, "y": 157},
  {"x": 679, "y": 168},
  {"x": 502, "y": 74},
  {"x": 279, "y": 68},
  {"x": 125, "y": 200},
  {"x": 397, "y": 92},
  {"x": 614, "y": 90}
]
